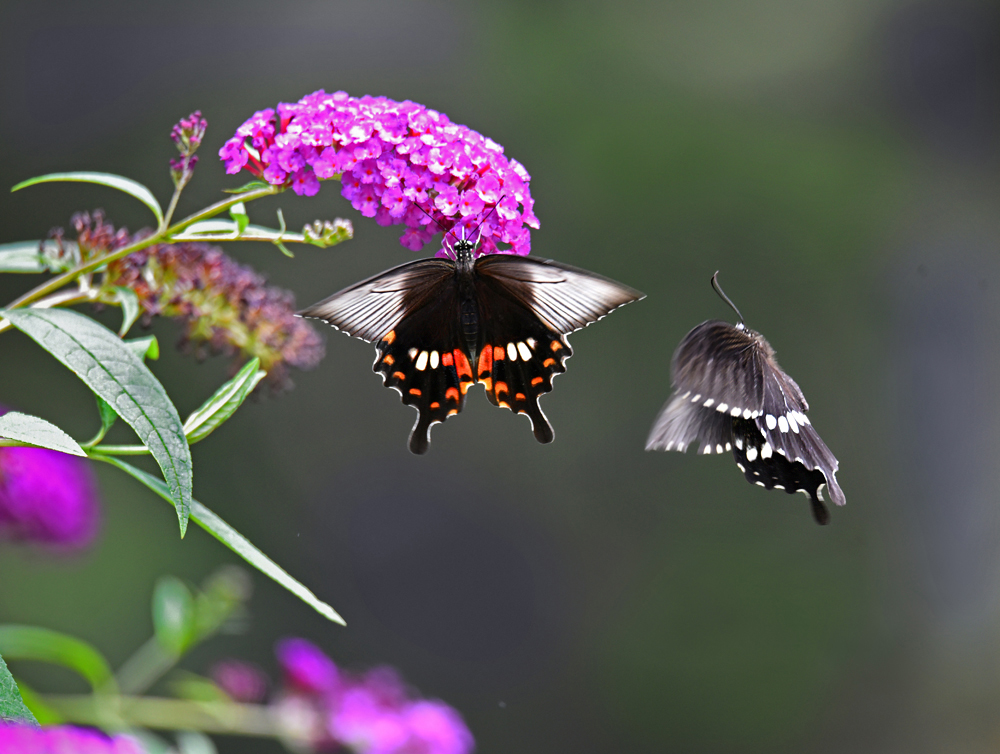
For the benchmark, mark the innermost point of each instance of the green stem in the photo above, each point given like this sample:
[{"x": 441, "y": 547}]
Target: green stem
[
  {"x": 65, "y": 298},
  {"x": 120, "y": 450},
  {"x": 145, "y": 667},
  {"x": 170, "y": 714},
  {"x": 59, "y": 281}
]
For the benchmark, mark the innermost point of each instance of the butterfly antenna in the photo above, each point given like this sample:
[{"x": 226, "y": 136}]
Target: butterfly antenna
[
  {"x": 479, "y": 233},
  {"x": 723, "y": 296},
  {"x": 444, "y": 240}
]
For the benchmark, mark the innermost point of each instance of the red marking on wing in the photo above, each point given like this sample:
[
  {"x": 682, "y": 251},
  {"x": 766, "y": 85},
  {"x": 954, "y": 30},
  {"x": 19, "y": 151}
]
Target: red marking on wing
[
  {"x": 390, "y": 337},
  {"x": 548, "y": 362},
  {"x": 389, "y": 361},
  {"x": 399, "y": 375},
  {"x": 415, "y": 391},
  {"x": 499, "y": 353},
  {"x": 519, "y": 397},
  {"x": 447, "y": 360},
  {"x": 538, "y": 380},
  {"x": 556, "y": 345},
  {"x": 486, "y": 363},
  {"x": 435, "y": 406},
  {"x": 451, "y": 394}
]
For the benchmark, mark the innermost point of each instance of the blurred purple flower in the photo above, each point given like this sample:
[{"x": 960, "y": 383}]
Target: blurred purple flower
[
  {"x": 240, "y": 680},
  {"x": 391, "y": 157},
  {"x": 371, "y": 714},
  {"x": 47, "y": 497},
  {"x": 187, "y": 135},
  {"x": 16, "y": 738},
  {"x": 306, "y": 668}
]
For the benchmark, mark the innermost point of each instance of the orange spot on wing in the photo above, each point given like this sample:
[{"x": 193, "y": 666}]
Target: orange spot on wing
[
  {"x": 447, "y": 360},
  {"x": 538, "y": 381},
  {"x": 488, "y": 382},
  {"x": 389, "y": 361},
  {"x": 435, "y": 405},
  {"x": 453, "y": 412},
  {"x": 414, "y": 391},
  {"x": 548, "y": 362},
  {"x": 390, "y": 337},
  {"x": 462, "y": 365},
  {"x": 486, "y": 362},
  {"x": 499, "y": 352},
  {"x": 503, "y": 404},
  {"x": 501, "y": 388},
  {"x": 451, "y": 394},
  {"x": 519, "y": 397},
  {"x": 556, "y": 345},
  {"x": 399, "y": 375}
]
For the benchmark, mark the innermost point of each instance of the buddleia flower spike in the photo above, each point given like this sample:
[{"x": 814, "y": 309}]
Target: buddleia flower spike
[{"x": 730, "y": 395}]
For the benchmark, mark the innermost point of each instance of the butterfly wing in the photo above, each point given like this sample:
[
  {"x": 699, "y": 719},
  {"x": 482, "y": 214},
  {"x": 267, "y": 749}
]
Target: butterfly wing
[
  {"x": 527, "y": 308},
  {"x": 412, "y": 313},
  {"x": 716, "y": 376},
  {"x": 786, "y": 429}
]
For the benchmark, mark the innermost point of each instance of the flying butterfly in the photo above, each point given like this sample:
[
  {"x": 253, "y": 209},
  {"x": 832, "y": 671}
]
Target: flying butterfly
[
  {"x": 731, "y": 395},
  {"x": 441, "y": 326}
]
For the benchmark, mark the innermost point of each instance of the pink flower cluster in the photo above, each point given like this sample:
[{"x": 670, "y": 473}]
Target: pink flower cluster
[
  {"x": 16, "y": 738},
  {"x": 398, "y": 162},
  {"x": 324, "y": 708}
]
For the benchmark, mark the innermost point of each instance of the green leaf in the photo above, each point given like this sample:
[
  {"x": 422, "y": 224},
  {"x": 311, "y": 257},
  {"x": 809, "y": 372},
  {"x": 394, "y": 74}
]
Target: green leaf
[
  {"x": 213, "y": 412},
  {"x": 110, "y": 368},
  {"x": 146, "y": 347},
  {"x": 42, "y": 711},
  {"x": 22, "y": 256},
  {"x": 108, "y": 418},
  {"x": 33, "y": 643},
  {"x": 35, "y": 431},
  {"x": 232, "y": 539},
  {"x": 12, "y": 709},
  {"x": 239, "y": 213},
  {"x": 133, "y": 188},
  {"x": 173, "y": 615},
  {"x": 251, "y": 186},
  {"x": 130, "y": 308}
]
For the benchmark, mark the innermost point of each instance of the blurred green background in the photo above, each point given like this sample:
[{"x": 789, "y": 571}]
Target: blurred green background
[{"x": 837, "y": 161}]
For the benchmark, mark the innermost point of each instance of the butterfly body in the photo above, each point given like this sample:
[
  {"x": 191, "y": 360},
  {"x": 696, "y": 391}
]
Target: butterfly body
[
  {"x": 441, "y": 326},
  {"x": 730, "y": 395}
]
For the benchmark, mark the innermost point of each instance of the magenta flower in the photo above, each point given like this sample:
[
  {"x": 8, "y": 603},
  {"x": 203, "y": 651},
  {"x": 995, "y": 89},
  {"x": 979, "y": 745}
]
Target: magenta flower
[
  {"x": 16, "y": 738},
  {"x": 394, "y": 159},
  {"x": 47, "y": 497},
  {"x": 325, "y": 709},
  {"x": 306, "y": 668}
]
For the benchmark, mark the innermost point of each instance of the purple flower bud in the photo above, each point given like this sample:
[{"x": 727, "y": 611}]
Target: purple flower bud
[
  {"x": 47, "y": 497},
  {"x": 242, "y": 681},
  {"x": 374, "y": 143},
  {"x": 16, "y": 738},
  {"x": 306, "y": 668}
]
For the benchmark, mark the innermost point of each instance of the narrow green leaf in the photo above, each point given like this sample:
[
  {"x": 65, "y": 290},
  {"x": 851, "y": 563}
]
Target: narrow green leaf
[
  {"x": 108, "y": 418},
  {"x": 232, "y": 539},
  {"x": 213, "y": 412},
  {"x": 12, "y": 709},
  {"x": 120, "y": 182},
  {"x": 34, "y": 643},
  {"x": 130, "y": 308},
  {"x": 146, "y": 347},
  {"x": 22, "y": 256},
  {"x": 110, "y": 368},
  {"x": 35, "y": 431},
  {"x": 173, "y": 615},
  {"x": 239, "y": 213}
]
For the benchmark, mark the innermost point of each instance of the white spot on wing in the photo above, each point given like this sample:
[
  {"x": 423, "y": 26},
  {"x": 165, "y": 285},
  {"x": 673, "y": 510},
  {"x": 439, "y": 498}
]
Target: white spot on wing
[
  {"x": 435, "y": 359},
  {"x": 709, "y": 402},
  {"x": 770, "y": 421},
  {"x": 531, "y": 344},
  {"x": 413, "y": 353},
  {"x": 512, "y": 352},
  {"x": 422, "y": 361},
  {"x": 696, "y": 398},
  {"x": 735, "y": 411},
  {"x": 718, "y": 448},
  {"x": 792, "y": 423},
  {"x": 722, "y": 408},
  {"x": 524, "y": 351},
  {"x": 765, "y": 450},
  {"x": 739, "y": 443},
  {"x": 782, "y": 423},
  {"x": 746, "y": 413},
  {"x": 751, "y": 454},
  {"x": 707, "y": 450}
]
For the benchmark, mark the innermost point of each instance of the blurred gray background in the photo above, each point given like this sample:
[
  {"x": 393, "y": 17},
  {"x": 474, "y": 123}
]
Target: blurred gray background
[{"x": 837, "y": 161}]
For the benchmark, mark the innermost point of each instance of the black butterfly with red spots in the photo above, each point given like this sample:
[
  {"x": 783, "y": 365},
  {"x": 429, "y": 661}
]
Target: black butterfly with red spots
[
  {"x": 441, "y": 325},
  {"x": 731, "y": 395}
]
